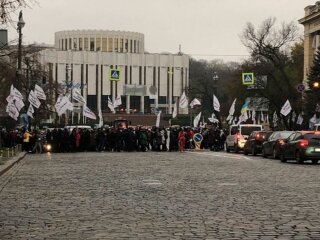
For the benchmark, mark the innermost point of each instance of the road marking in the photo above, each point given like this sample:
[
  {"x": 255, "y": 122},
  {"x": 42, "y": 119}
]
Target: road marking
[
  {"x": 217, "y": 154},
  {"x": 151, "y": 182}
]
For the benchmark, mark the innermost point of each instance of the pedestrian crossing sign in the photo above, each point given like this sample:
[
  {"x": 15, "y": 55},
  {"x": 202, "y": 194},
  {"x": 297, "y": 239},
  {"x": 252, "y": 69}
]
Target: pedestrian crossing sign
[
  {"x": 247, "y": 78},
  {"x": 114, "y": 74}
]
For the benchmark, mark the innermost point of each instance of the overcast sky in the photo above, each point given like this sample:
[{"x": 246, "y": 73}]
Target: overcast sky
[{"x": 205, "y": 28}]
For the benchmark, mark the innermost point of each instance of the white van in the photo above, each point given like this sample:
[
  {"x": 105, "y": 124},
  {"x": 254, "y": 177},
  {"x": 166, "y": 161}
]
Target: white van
[{"x": 238, "y": 135}]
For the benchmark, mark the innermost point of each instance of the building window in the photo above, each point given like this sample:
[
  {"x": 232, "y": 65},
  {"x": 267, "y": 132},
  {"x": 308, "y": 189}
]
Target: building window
[
  {"x": 70, "y": 43},
  {"x": 110, "y": 44},
  {"x": 126, "y": 45},
  {"x": 121, "y": 45},
  {"x": 104, "y": 44},
  {"x": 80, "y": 44},
  {"x": 66, "y": 44},
  {"x": 116, "y": 45},
  {"x": 126, "y": 74},
  {"x": 134, "y": 46},
  {"x": 85, "y": 47},
  {"x": 140, "y": 75},
  {"x": 131, "y": 46},
  {"x": 98, "y": 42},
  {"x": 75, "y": 45},
  {"x": 92, "y": 44}
]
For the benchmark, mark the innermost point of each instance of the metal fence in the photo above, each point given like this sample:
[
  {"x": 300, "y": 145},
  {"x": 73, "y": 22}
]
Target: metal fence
[{"x": 10, "y": 152}]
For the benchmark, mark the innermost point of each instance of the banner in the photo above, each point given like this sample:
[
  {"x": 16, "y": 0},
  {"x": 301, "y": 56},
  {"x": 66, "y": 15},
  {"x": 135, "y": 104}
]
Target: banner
[
  {"x": 76, "y": 95},
  {"x": 196, "y": 120},
  {"x": 286, "y": 108},
  {"x": 12, "y": 111},
  {"x": 300, "y": 119},
  {"x": 39, "y": 92},
  {"x": 216, "y": 104},
  {"x": 88, "y": 113},
  {"x": 19, "y": 104},
  {"x": 183, "y": 101},
  {"x": 15, "y": 93},
  {"x": 275, "y": 119},
  {"x": 33, "y": 99}
]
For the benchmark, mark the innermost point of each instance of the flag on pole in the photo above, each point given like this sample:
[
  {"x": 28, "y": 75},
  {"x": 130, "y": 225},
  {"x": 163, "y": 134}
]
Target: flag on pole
[
  {"x": 110, "y": 105},
  {"x": 117, "y": 101},
  {"x": 275, "y": 119},
  {"x": 262, "y": 117},
  {"x": 175, "y": 110},
  {"x": 300, "y": 119},
  {"x": 39, "y": 92},
  {"x": 286, "y": 108},
  {"x": 195, "y": 102},
  {"x": 196, "y": 120},
  {"x": 76, "y": 95},
  {"x": 33, "y": 99},
  {"x": 231, "y": 110},
  {"x": 245, "y": 106},
  {"x": 253, "y": 116},
  {"x": 183, "y": 101},
  {"x": 213, "y": 118},
  {"x": 216, "y": 104},
  {"x": 30, "y": 111},
  {"x": 88, "y": 113}
]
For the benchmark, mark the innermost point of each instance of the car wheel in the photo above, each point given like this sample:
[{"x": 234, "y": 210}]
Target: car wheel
[
  {"x": 274, "y": 154},
  {"x": 227, "y": 148},
  {"x": 314, "y": 161},
  {"x": 245, "y": 152},
  {"x": 253, "y": 151},
  {"x": 264, "y": 155},
  {"x": 299, "y": 159},
  {"x": 282, "y": 157}
]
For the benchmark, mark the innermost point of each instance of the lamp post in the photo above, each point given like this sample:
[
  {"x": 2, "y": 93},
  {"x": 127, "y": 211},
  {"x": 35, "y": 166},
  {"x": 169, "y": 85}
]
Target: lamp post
[{"x": 20, "y": 25}]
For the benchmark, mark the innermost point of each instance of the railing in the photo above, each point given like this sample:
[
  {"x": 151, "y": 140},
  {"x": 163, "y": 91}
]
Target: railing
[{"x": 10, "y": 152}]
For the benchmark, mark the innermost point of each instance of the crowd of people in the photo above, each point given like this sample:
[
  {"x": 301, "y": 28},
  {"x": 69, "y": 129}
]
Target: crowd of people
[{"x": 113, "y": 140}]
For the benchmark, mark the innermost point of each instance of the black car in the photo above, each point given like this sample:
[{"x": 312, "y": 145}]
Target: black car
[
  {"x": 272, "y": 145},
  {"x": 301, "y": 146},
  {"x": 254, "y": 142}
]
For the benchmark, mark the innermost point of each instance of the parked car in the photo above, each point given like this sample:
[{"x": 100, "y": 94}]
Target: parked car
[
  {"x": 254, "y": 142},
  {"x": 301, "y": 146},
  {"x": 238, "y": 135},
  {"x": 272, "y": 145}
]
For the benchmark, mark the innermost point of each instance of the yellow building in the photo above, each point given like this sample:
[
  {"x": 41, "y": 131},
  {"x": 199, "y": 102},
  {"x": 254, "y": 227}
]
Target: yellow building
[{"x": 311, "y": 23}]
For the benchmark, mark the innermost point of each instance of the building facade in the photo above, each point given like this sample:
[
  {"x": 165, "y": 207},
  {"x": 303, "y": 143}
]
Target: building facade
[
  {"x": 311, "y": 23},
  {"x": 85, "y": 59}
]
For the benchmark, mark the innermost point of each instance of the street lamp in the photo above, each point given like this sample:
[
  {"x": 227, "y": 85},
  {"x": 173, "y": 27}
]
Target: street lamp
[{"x": 20, "y": 25}]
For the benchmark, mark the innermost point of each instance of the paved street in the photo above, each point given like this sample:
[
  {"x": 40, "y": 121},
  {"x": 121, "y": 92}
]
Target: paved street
[{"x": 203, "y": 195}]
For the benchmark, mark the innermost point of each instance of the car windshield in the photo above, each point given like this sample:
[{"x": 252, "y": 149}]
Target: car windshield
[
  {"x": 248, "y": 130},
  {"x": 284, "y": 135}
]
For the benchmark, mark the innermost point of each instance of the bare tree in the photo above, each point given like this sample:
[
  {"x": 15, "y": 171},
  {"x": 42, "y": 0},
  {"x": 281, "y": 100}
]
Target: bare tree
[{"x": 7, "y": 7}]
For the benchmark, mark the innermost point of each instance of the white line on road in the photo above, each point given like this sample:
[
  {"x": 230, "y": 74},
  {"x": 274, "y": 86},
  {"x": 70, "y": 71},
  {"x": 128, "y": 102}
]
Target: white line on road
[{"x": 217, "y": 154}]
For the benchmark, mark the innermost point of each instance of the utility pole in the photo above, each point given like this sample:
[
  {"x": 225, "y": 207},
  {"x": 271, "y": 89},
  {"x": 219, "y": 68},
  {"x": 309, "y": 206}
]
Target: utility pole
[{"x": 20, "y": 25}]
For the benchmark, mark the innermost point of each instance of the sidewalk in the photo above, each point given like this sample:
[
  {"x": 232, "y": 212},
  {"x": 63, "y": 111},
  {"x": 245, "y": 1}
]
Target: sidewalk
[{"x": 10, "y": 162}]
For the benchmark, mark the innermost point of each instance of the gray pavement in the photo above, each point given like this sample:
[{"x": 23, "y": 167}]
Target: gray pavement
[{"x": 202, "y": 195}]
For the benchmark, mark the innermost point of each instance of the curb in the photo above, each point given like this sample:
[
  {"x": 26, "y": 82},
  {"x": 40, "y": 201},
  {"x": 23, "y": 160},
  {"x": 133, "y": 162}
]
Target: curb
[{"x": 10, "y": 163}]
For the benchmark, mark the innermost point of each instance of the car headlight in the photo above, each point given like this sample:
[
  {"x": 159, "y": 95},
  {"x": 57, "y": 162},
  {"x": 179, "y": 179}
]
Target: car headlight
[{"x": 48, "y": 147}]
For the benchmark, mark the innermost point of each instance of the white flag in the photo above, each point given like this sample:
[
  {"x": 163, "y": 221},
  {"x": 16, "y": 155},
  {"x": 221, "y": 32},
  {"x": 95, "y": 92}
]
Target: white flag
[
  {"x": 33, "y": 99},
  {"x": 216, "y": 104},
  {"x": 233, "y": 106},
  {"x": 63, "y": 104},
  {"x": 19, "y": 104},
  {"x": 195, "y": 102},
  {"x": 30, "y": 111},
  {"x": 262, "y": 117},
  {"x": 175, "y": 110},
  {"x": 213, "y": 118},
  {"x": 76, "y": 95},
  {"x": 196, "y": 120},
  {"x": 183, "y": 102},
  {"x": 110, "y": 105},
  {"x": 293, "y": 117},
  {"x": 88, "y": 113},
  {"x": 12, "y": 111},
  {"x": 15, "y": 93},
  {"x": 158, "y": 119},
  {"x": 100, "y": 119},
  {"x": 234, "y": 121},
  {"x": 117, "y": 101},
  {"x": 286, "y": 108},
  {"x": 39, "y": 92},
  {"x": 275, "y": 119},
  {"x": 300, "y": 119}
]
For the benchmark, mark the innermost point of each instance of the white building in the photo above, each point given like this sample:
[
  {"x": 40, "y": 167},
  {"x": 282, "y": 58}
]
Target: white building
[{"x": 84, "y": 58}]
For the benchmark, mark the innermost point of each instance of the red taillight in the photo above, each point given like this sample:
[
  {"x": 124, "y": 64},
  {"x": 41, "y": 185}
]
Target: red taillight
[
  {"x": 238, "y": 136},
  {"x": 257, "y": 136},
  {"x": 303, "y": 143}
]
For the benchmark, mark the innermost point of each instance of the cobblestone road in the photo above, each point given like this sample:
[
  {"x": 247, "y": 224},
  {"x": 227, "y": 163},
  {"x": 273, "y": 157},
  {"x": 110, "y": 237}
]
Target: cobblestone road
[{"x": 159, "y": 196}]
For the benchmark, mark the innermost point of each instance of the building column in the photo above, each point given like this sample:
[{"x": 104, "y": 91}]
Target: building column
[
  {"x": 128, "y": 104},
  {"x": 142, "y": 104}
]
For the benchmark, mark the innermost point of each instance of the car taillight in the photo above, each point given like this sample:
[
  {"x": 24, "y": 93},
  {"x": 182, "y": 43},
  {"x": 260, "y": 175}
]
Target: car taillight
[
  {"x": 238, "y": 136},
  {"x": 303, "y": 143},
  {"x": 257, "y": 136}
]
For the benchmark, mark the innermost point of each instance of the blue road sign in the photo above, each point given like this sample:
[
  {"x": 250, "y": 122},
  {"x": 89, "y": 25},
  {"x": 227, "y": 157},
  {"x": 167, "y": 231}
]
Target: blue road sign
[
  {"x": 197, "y": 137},
  {"x": 247, "y": 78}
]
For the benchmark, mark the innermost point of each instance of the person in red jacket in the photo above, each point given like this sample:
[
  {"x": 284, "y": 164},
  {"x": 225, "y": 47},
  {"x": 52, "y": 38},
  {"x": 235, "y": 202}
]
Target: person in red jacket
[{"x": 182, "y": 140}]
